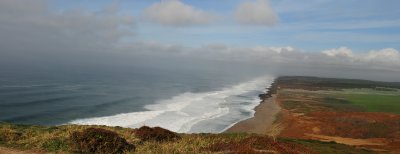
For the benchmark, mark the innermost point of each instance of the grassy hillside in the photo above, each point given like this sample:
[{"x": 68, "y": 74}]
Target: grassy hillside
[{"x": 58, "y": 139}]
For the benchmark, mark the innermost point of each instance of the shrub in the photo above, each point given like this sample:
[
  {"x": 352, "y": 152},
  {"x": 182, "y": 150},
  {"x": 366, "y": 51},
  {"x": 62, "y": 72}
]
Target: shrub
[
  {"x": 158, "y": 134},
  {"x": 97, "y": 140}
]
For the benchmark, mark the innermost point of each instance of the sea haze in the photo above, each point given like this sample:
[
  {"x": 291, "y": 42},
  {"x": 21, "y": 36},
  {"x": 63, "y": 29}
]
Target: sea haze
[{"x": 181, "y": 99}]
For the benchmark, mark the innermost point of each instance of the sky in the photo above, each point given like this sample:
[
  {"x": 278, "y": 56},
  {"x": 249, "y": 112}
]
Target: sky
[
  {"x": 336, "y": 36},
  {"x": 312, "y": 25}
]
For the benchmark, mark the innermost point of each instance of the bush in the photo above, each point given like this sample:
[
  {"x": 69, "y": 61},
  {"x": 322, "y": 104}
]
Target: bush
[
  {"x": 97, "y": 140},
  {"x": 158, "y": 134}
]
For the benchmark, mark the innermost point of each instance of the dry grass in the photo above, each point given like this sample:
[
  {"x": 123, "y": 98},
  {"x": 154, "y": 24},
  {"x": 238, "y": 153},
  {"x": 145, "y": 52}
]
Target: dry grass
[{"x": 57, "y": 140}]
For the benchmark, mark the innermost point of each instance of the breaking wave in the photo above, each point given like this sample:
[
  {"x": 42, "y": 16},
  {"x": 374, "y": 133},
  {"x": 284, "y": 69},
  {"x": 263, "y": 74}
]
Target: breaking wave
[{"x": 212, "y": 111}]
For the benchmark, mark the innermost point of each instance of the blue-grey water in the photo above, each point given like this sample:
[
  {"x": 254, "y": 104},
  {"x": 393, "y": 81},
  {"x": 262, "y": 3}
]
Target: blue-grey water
[{"x": 182, "y": 100}]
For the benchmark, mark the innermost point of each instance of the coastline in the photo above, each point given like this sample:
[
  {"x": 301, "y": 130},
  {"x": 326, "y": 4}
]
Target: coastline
[
  {"x": 264, "y": 116},
  {"x": 285, "y": 127}
]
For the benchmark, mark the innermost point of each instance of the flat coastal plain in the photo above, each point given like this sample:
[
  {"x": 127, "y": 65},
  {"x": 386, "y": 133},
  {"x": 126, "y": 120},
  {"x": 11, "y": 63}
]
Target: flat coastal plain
[{"x": 359, "y": 113}]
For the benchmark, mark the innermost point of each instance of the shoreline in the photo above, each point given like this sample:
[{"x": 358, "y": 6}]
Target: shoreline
[{"x": 264, "y": 116}]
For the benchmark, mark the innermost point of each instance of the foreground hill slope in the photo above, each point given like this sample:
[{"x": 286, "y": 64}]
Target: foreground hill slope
[{"x": 59, "y": 139}]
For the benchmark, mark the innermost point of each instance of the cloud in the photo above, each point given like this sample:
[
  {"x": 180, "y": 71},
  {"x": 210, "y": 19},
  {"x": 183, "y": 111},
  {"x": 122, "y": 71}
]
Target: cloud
[
  {"x": 33, "y": 27},
  {"x": 384, "y": 59},
  {"x": 176, "y": 13},
  {"x": 258, "y": 12},
  {"x": 388, "y": 55},
  {"x": 340, "y": 52},
  {"x": 383, "y": 64}
]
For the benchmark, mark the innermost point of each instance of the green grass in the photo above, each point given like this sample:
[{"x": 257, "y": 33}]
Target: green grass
[
  {"x": 375, "y": 102},
  {"x": 377, "y": 91},
  {"x": 361, "y": 99}
]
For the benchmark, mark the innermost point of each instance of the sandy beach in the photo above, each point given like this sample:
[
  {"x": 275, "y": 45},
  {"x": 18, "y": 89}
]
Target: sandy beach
[{"x": 263, "y": 118}]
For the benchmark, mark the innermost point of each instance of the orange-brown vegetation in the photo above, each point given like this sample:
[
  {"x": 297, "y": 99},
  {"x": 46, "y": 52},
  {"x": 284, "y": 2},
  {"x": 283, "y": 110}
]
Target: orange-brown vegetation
[{"x": 309, "y": 115}]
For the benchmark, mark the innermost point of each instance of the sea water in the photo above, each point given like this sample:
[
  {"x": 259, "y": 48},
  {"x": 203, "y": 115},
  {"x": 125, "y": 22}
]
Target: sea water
[{"x": 182, "y": 101}]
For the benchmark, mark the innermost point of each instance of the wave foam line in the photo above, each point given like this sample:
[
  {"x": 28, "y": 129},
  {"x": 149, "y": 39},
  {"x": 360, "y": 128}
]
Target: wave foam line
[{"x": 182, "y": 112}]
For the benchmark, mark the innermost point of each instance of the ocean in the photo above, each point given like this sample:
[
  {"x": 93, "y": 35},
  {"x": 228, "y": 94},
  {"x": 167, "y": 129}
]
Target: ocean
[{"x": 185, "y": 100}]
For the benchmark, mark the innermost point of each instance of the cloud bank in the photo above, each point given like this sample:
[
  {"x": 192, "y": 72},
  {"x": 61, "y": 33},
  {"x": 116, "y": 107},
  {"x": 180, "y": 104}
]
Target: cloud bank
[
  {"x": 176, "y": 13},
  {"x": 258, "y": 12},
  {"x": 32, "y": 26},
  {"x": 383, "y": 64},
  {"x": 384, "y": 59}
]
